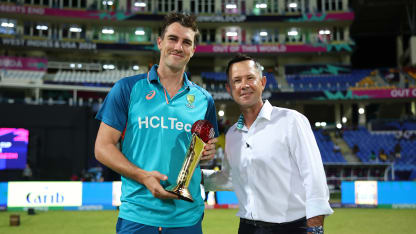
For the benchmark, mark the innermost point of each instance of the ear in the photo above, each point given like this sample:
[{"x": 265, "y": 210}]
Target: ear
[
  {"x": 228, "y": 88},
  {"x": 193, "y": 50},
  {"x": 159, "y": 41},
  {"x": 263, "y": 82}
]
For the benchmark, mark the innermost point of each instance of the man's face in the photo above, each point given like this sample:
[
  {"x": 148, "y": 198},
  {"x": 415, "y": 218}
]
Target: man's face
[
  {"x": 176, "y": 47},
  {"x": 245, "y": 84}
]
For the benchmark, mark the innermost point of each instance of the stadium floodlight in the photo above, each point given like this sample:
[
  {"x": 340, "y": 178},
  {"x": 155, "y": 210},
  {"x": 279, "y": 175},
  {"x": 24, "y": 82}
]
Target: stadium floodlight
[
  {"x": 72, "y": 65},
  {"x": 139, "y": 32},
  {"x": 292, "y": 33},
  {"x": 108, "y": 3},
  {"x": 221, "y": 113},
  {"x": 261, "y": 5},
  {"x": 79, "y": 65},
  {"x": 339, "y": 126},
  {"x": 75, "y": 29},
  {"x": 361, "y": 111},
  {"x": 107, "y": 31},
  {"x": 140, "y": 4},
  {"x": 293, "y": 5},
  {"x": 231, "y": 6},
  {"x": 108, "y": 66},
  {"x": 317, "y": 124},
  {"x": 263, "y": 34},
  {"x": 323, "y": 124},
  {"x": 344, "y": 119},
  {"x": 7, "y": 25},
  {"x": 136, "y": 67},
  {"x": 41, "y": 27},
  {"x": 231, "y": 34},
  {"x": 324, "y": 32}
]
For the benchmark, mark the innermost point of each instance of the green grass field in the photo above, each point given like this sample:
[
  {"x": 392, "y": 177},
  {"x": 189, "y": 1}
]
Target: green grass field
[{"x": 344, "y": 221}]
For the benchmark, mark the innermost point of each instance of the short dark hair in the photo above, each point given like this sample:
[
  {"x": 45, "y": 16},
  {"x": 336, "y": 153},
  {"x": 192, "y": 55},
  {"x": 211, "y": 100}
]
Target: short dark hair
[
  {"x": 240, "y": 58},
  {"x": 188, "y": 21}
]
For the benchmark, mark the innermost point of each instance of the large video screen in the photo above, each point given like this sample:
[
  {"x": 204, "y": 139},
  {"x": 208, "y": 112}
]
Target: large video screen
[
  {"x": 13, "y": 148},
  {"x": 378, "y": 193}
]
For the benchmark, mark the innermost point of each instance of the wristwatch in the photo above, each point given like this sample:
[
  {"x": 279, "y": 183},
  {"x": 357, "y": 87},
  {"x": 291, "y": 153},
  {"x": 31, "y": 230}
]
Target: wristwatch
[{"x": 315, "y": 230}]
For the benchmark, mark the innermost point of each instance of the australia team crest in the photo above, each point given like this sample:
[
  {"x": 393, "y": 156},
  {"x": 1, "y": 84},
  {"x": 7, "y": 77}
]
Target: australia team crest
[{"x": 190, "y": 98}]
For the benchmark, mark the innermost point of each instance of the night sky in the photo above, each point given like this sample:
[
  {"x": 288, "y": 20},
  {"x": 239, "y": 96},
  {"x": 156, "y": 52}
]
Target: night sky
[{"x": 375, "y": 29}]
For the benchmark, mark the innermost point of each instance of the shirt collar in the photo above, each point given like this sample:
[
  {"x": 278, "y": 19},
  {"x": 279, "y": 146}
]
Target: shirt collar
[
  {"x": 265, "y": 113},
  {"x": 153, "y": 76}
]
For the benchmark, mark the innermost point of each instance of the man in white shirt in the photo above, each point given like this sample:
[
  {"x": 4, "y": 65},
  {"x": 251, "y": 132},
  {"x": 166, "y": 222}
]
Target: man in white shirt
[{"x": 271, "y": 161}]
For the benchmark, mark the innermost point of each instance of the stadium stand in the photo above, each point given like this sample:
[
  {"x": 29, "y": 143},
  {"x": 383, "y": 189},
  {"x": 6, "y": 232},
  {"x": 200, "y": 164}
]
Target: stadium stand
[
  {"x": 106, "y": 78},
  {"x": 216, "y": 80},
  {"x": 327, "y": 82},
  {"x": 326, "y": 147},
  {"x": 22, "y": 77},
  {"x": 377, "y": 141}
]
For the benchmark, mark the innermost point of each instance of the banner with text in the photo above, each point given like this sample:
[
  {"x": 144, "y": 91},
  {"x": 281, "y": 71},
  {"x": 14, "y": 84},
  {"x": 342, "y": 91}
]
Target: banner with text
[
  {"x": 34, "y": 10},
  {"x": 120, "y": 15},
  {"x": 277, "y": 48},
  {"x": 53, "y": 44},
  {"x": 44, "y": 194},
  {"x": 19, "y": 63},
  {"x": 386, "y": 93}
]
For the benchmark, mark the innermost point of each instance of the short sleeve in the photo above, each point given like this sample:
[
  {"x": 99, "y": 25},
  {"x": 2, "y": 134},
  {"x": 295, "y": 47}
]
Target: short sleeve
[{"x": 114, "y": 111}]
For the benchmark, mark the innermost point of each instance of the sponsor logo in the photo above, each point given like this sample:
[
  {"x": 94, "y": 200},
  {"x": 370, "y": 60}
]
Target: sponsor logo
[
  {"x": 45, "y": 198},
  {"x": 150, "y": 95},
  {"x": 161, "y": 122},
  {"x": 44, "y": 194},
  {"x": 191, "y": 99}
]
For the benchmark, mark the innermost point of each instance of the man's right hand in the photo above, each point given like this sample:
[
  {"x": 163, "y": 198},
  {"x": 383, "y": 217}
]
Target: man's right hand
[{"x": 152, "y": 182}]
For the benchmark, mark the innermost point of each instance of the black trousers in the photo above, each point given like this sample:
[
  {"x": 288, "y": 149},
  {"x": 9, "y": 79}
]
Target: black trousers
[{"x": 258, "y": 227}]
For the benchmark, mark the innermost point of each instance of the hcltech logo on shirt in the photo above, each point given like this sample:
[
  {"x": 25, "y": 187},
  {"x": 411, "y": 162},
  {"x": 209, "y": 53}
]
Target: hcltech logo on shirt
[{"x": 161, "y": 122}]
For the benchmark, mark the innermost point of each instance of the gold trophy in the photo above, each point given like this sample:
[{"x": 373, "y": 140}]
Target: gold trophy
[{"x": 202, "y": 132}]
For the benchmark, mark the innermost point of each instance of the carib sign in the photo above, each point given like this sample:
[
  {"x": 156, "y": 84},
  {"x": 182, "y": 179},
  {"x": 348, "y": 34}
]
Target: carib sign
[{"x": 44, "y": 194}]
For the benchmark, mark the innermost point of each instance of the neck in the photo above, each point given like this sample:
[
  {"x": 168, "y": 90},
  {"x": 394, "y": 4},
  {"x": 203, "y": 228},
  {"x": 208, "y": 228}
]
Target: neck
[
  {"x": 250, "y": 113},
  {"x": 171, "y": 79},
  {"x": 171, "y": 75}
]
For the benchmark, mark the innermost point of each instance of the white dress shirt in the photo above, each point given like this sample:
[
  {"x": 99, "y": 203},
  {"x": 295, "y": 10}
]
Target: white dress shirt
[{"x": 274, "y": 167}]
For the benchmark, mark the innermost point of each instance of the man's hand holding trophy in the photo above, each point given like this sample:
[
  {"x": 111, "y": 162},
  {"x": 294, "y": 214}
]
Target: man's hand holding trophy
[{"x": 202, "y": 131}]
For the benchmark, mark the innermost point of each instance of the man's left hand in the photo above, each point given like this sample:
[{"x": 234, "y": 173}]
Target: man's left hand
[
  {"x": 209, "y": 150},
  {"x": 316, "y": 221}
]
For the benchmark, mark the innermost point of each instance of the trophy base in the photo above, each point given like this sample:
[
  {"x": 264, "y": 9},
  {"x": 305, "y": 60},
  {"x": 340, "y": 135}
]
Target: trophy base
[{"x": 183, "y": 193}]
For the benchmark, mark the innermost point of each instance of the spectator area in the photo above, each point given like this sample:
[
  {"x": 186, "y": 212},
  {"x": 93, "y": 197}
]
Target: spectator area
[
  {"x": 367, "y": 142},
  {"x": 21, "y": 76},
  {"x": 217, "y": 80},
  {"x": 326, "y": 82},
  {"x": 326, "y": 147},
  {"x": 105, "y": 78}
]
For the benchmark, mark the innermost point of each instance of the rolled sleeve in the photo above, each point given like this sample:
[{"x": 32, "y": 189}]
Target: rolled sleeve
[
  {"x": 308, "y": 158},
  {"x": 317, "y": 207}
]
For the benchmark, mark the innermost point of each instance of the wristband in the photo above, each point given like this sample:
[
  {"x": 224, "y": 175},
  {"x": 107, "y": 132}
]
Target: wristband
[{"x": 315, "y": 230}]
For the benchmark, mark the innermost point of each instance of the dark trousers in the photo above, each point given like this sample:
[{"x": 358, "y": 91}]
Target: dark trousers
[{"x": 258, "y": 227}]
